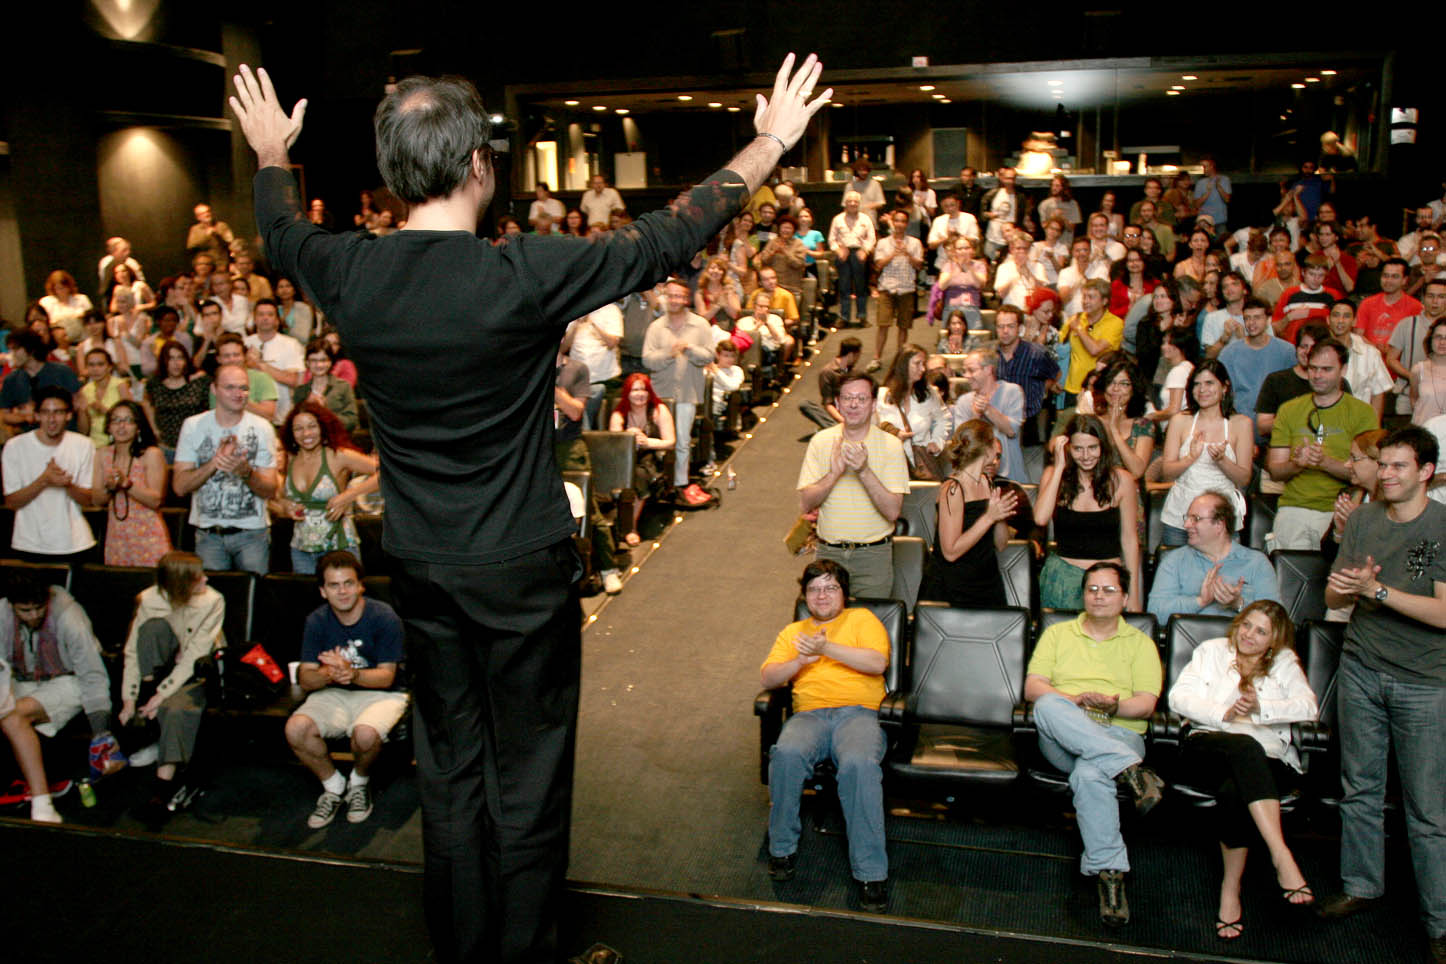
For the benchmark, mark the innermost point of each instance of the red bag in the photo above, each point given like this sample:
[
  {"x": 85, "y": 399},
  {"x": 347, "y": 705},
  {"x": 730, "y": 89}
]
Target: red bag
[{"x": 261, "y": 659}]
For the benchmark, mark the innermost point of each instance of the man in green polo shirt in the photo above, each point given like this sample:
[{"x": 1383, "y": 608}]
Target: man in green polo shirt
[
  {"x": 1310, "y": 448},
  {"x": 1094, "y": 682}
]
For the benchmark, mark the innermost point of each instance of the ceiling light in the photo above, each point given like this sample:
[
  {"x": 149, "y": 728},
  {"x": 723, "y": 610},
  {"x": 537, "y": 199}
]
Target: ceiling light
[
  {"x": 497, "y": 118},
  {"x": 685, "y": 96},
  {"x": 599, "y": 107},
  {"x": 834, "y": 103},
  {"x": 1283, "y": 117},
  {"x": 1327, "y": 73},
  {"x": 1172, "y": 93},
  {"x": 1312, "y": 80},
  {"x": 937, "y": 96},
  {"x": 945, "y": 100},
  {"x": 734, "y": 110},
  {"x": 1188, "y": 77},
  {"x": 1177, "y": 87},
  {"x": 1297, "y": 86},
  {"x": 714, "y": 103},
  {"x": 620, "y": 110},
  {"x": 570, "y": 103},
  {"x": 1055, "y": 83},
  {"x": 926, "y": 87}
]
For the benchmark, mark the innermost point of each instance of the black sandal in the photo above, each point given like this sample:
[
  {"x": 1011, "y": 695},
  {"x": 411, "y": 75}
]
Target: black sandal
[
  {"x": 1221, "y": 926},
  {"x": 1302, "y": 889}
]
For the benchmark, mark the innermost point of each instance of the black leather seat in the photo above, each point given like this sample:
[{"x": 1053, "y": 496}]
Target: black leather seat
[
  {"x": 54, "y": 573},
  {"x": 583, "y": 481},
  {"x": 909, "y": 555},
  {"x": 1260, "y": 519},
  {"x": 1300, "y": 575},
  {"x": 953, "y": 711},
  {"x": 919, "y": 508},
  {"x": 108, "y": 596},
  {"x": 612, "y": 456},
  {"x": 1318, "y": 644},
  {"x": 773, "y": 706},
  {"x": 1016, "y": 565}
]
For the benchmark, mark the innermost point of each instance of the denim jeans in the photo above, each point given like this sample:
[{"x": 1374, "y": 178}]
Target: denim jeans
[
  {"x": 683, "y": 448},
  {"x": 851, "y": 735},
  {"x": 305, "y": 562},
  {"x": 249, "y": 549},
  {"x": 1092, "y": 755},
  {"x": 1378, "y": 711},
  {"x": 853, "y": 286}
]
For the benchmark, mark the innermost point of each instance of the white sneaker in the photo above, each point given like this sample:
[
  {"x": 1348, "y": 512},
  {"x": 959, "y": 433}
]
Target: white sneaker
[
  {"x": 612, "y": 582},
  {"x": 146, "y": 755},
  {"x": 43, "y": 811},
  {"x": 326, "y": 807}
]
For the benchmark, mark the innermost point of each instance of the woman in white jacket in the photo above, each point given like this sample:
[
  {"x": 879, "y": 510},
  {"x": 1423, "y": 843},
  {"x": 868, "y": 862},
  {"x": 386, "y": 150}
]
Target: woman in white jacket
[
  {"x": 177, "y": 621},
  {"x": 911, "y": 409},
  {"x": 1239, "y": 696}
]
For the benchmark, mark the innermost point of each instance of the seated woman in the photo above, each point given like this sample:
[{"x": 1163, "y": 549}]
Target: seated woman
[
  {"x": 130, "y": 480},
  {"x": 1231, "y": 687},
  {"x": 910, "y": 409},
  {"x": 1207, "y": 447},
  {"x": 177, "y": 621},
  {"x": 318, "y": 496},
  {"x": 1177, "y": 376},
  {"x": 963, "y": 569},
  {"x": 642, "y": 413},
  {"x": 334, "y": 393},
  {"x": 296, "y": 314},
  {"x": 341, "y": 366},
  {"x": 716, "y": 300},
  {"x": 1095, "y": 506},
  {"x": 175, "y": 393},
  {"x": 104, "y": 387},
  {"x": 1119, "y": 401},
  {"x": 954, "y": 338}
]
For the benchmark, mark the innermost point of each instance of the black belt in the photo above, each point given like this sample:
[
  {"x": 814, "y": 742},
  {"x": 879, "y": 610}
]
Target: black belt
[
  {"x": 856, "y": 545},
  {"x": 223, "y": 530}
]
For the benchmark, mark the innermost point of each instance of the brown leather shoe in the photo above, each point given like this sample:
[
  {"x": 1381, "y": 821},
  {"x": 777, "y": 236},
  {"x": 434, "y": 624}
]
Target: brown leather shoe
[
  {"x": 1339, "y": 906},
  {"x": 1114, "y": 907}
]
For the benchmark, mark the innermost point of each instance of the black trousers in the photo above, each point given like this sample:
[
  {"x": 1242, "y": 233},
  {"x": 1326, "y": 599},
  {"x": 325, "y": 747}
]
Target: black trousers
[
  {"x": 1236, "y": 768},
  {"x": 494, "y": 652}
]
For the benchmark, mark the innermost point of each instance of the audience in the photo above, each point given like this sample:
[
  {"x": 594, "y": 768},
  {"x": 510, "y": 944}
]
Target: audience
[
  {"x": 641, "y": 413},
  {"x": 1212, "y": 574},
  {"x": 323, "y": 386},
  {"x": 1000, "y": 404},
  {"x": 911, "y": 410},
  {"x": 679, "y": 345}
]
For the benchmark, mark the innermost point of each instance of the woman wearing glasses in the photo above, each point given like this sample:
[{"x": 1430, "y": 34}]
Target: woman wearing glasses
[
  {"x": 130, "y": 482},
  {"x": 1239, "y": 696},
  {"x": 1094, "y": 505}
]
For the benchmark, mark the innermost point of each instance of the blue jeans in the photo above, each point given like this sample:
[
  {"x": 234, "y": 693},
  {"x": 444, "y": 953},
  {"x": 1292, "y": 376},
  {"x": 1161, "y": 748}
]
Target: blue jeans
[
  {"x": 1092, "y": 755},
  {"x": 851, "y": 735},
  {"x": 683, "y": 448},
  {"x": 853, "y": 286},
  {"x": 249, "y": 549},
  {"x": 1378, "y": 711}
]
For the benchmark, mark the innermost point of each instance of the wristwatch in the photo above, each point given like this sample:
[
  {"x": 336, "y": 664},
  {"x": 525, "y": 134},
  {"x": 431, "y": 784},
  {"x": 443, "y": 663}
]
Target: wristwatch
[{"x": 1381, "y": 592}]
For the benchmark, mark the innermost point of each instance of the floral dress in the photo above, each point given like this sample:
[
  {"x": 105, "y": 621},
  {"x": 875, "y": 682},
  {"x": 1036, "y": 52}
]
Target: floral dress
[
  {"x": 135, "y": 534},
  {"x": 314, "y": 532}
]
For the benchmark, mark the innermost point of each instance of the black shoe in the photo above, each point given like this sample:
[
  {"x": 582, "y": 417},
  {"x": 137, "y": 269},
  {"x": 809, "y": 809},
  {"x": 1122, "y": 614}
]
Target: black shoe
[
  {"x": 1343, "y": 905},
  {"x": 782, "y": 868},
  {"x": 1146, "y": 787},
  {"x": 1114, "y": 907},
  {"x": 874, "y": 895}
]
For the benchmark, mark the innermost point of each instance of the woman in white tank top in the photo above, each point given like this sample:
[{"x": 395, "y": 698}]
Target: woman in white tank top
[{"x": 1208, "y": 446}]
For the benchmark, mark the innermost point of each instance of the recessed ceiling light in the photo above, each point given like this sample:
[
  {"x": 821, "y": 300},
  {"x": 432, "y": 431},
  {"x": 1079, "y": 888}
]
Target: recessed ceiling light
[
  {"x": 734, "y": 110},
  {"x": 570, "y": 103},
  {"x": 834, "y": 103},
  {"x": 1188, "y": 77},
  {"x": 1177, "y": 87},
  {"x": 714, "y": 103},
  {"x": 1172, "y": 93},
  {"x": 926, "y": 87},
  {"x": 1055, "y": 83},
  {"x": 945, "y": 100},
  {"x": 1297, "y": 86},
  {"x": 1327, "y": 73},
  {"x": 685, "y": 96},
  {"x": 1312, "y": 80},
  {"x": 1282, "y": 117},
  {"x": 937, "y": 96},
  {"x": 620, "y": 110},
  {"x": 599, "y": 107}
]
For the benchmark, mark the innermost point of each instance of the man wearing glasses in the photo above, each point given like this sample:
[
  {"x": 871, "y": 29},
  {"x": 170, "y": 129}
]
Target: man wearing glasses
[
  {"x": 855, "y": 476},
  {"x": 835, "y": 660},
  {"x": 1094, "y": 681},
  {"x": 1309, "y": 446},
  {"x": 48, "y": 475},
  {"x": 1213, "y": 574}
]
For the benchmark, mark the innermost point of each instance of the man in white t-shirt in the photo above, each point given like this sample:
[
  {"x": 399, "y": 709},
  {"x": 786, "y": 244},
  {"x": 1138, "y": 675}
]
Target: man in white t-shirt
[
  {"x": 1365, "y": 372},
  {"x": 1103, "y": 249},
  {"x": 48, "y": 475},
  {"x": 599, "y": 202},
  {"x": 1222, "y": 325},
  {"x": 595, "y": 339},
  {"x": 1079, "y": 270},
  {"x": 953, "y": 223},
  {"x": 545, "y": 204},
  {"x": 225, "y": 460},
  {"x": 280, "y": 356}
]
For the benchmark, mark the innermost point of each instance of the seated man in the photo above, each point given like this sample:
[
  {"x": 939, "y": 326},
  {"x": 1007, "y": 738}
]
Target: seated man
[
  {"x": 1213, "y": 574},
  {"x": 349, "y": 658},
  {"x": 835, "y": 660},
  {"x": 50, "y": 670},
  {"x": 1094, "y": 682}
]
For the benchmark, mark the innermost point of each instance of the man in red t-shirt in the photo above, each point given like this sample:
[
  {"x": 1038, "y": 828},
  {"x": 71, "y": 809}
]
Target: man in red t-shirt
[{"x": 1378, "y": 314}]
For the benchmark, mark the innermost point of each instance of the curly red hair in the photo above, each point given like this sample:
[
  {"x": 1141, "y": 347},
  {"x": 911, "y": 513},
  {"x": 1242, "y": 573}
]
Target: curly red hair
[{"x": 623, "y": 404}]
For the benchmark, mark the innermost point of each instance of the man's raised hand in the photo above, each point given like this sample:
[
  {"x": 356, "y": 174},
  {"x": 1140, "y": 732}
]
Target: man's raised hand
[
  {"x": 787, "y": 113},
  {"x": 268, "y": 129}
]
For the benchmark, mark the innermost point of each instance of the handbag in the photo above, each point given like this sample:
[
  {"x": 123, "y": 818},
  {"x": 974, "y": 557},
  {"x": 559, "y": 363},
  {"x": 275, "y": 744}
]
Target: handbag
[{"x": 926, "y": 466}]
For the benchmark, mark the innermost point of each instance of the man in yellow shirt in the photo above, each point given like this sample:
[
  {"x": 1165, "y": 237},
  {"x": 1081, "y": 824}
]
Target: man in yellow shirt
[
  {"x": 1090, "y": 333},
  {"x": 835, "y": 660},
  {"x": 1094, "y": 682}
]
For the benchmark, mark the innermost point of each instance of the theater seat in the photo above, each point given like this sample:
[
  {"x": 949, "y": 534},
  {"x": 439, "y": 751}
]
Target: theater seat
[
  {"x": 919, "y": 508},
  {"x": 108, "y": 595},
  {"x": 1300, "y": 576},
  {"x": 1183, "y": 635},
  {"x": 54, "y": 573},
  {"x": 1318, "y": 644},
  {"x": 954, "y": 708},
  {"x": 1016, "y": 565},
  {"x": 773, "y": 706},
  {"x": 909, "y": 555},
  {"x": 611, "y": 455}
]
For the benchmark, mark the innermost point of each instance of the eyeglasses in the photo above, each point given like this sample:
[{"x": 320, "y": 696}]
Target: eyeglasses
[
  {"x": 1131, "y": 234},
  {"x": 860, "y": 399},
  {"x": 1106, "y": 590},
  {"x": 823, "y": 589},
  {"x": 1197, "y": 519},
  {"x": 122, "y": 420}
]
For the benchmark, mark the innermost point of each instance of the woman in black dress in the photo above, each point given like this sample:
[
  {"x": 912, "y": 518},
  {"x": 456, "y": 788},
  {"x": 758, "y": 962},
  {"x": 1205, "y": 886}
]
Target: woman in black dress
[{"x": 963, "y": 569}]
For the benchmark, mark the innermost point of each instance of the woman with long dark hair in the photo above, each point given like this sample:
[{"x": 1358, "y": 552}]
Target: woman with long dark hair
[
  {"x": 297, "y": 317},
  {"x": 1094, "y": 504},
  {"x": 963, "y": 569},
  {"x": 642, "y": 413},
  {"x": 1208, "y": 447},
  {"x": 1239, "y": 696},
  {"x": 130, "y": 481},
  {"x": 910, "y": 408},
  {"x": 319, "y": 465},
  {"x": 174, "y": 393},
  {"x": 1121, "y": 405}
]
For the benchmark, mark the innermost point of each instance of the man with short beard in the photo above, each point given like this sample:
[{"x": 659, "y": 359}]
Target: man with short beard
[{"x": 1379, "y": 314}]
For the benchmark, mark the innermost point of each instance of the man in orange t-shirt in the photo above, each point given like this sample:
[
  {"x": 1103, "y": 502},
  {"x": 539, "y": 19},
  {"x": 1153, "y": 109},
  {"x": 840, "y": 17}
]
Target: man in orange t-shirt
[{"x": 1378, "y": 314}]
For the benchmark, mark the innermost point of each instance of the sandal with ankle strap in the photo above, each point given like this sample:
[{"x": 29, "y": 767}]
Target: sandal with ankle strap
[
  {"x": 1303, "y": 890},
  {"x": 1238, "y": 925}
]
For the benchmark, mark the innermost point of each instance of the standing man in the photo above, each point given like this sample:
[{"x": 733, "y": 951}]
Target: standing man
[
  {"x": 209, "y": 236},
  {"x": 1407, "y": 344},
  {"x": 851, "y": 237},
  {"x": 856, "y": 476},
  {"x": 1212, "y": 195},
  {"x": 678, "y": 347},
  {"x": 48, "y": 475},
  {"x": 870, "y": 193},
  {"x": 1392, "y": 680},
  {"x": 227, "y": 457},
  {"x": 1027, "y": 365},
  {"x": 1365, "y": 374},
  {"x": 1220, "y": 327},
  {"x": 1104, "y": 250},
  {"x": 1250, "y": 359},
  {"x": 1090, "y": 334},
  {"x": 1310, "y": 444},
  {"x": 898, "y": 259},
  {"x": 999, "y": 403},
  {"x": 952, "y": 223},
  {"x": 486, "y": 569},
  {"x": 30, "y": 374},
  {"x": 545, "y": 205},
  {"x": 1001, "y": 209},
  {"x": 1380, "y": 313},
  {"x": 835, "y": 660},
  {"x": 970, "y": 194},
  {"x": 600, "y": 202},
  {"x": 279, "y": 356},
  {"x": 1094, "y": 681}
]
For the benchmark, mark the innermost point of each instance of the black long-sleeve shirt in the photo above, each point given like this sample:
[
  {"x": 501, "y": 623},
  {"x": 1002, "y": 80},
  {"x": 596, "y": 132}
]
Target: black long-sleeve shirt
[{"x": 455, "y": 342}]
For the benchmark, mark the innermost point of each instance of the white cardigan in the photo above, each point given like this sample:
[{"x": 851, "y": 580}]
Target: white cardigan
[
  {"x": 929, "y": 420},
  {"x": 1210, "y": 685}
]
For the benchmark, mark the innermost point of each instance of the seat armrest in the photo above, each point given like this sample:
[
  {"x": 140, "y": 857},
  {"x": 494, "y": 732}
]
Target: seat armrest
[
  {"x": 772, "y": 702},
  {"x": 1312, "y": 736},
  {"x": 1166, "y": 727},
  {"x": 1023, "y": 719},
  {"x": 770, "y": 706},
  {"x": 894, "y": 710}
]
